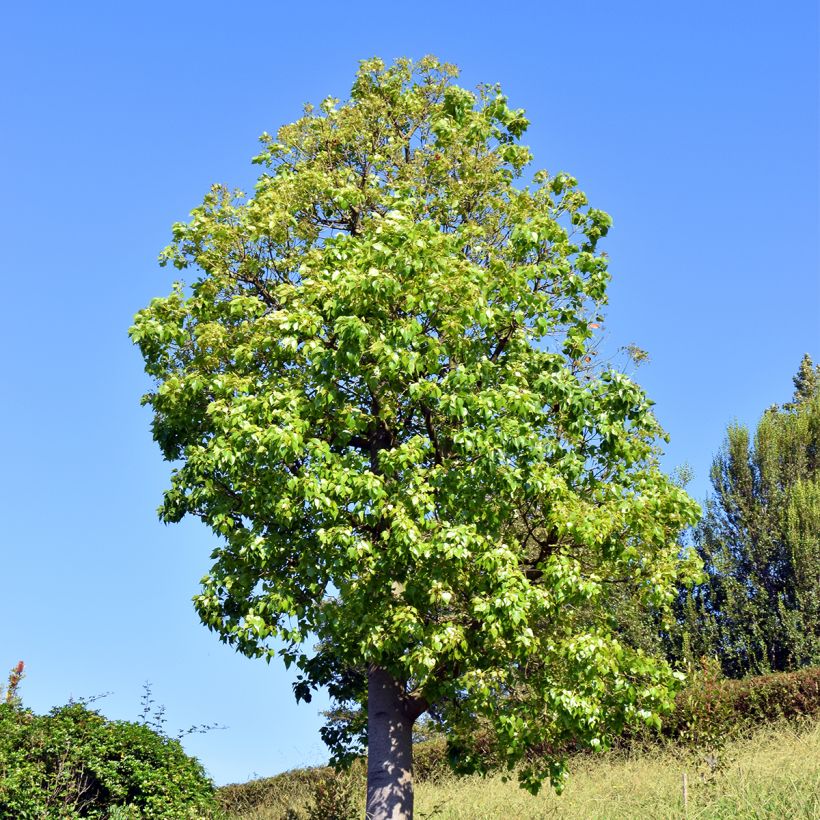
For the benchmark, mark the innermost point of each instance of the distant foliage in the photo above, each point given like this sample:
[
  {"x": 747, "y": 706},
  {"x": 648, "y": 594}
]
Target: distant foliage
[
  {"x": 711, "y": 707},
  {"x": 335, "y": 795},
  {"x": 303, "y": 794},
  {"x": 710, "y": 710},
  {"x": 73, "y": 763},
  {"x": 759, "y": 609}
]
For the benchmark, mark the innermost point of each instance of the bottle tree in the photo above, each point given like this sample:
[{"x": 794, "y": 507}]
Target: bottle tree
[{"x": 376, "y": 390}]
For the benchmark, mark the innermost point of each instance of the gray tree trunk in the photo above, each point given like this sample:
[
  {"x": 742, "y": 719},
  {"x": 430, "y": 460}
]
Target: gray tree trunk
[{"x": 389, "y": 748}]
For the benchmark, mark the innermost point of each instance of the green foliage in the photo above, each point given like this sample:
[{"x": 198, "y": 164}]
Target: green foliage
[
  {"x": 710, "y": 708},
  {"x": 805, "y": 382},
  {"x": 708, "y": 711},
  {"x": 379, "y": 394},
  {"x": 335, "y": 795},
  {"x": 759, "y": 609},
  {"x": 303, "y": 794},
  {"x": 73, "y": 762}
]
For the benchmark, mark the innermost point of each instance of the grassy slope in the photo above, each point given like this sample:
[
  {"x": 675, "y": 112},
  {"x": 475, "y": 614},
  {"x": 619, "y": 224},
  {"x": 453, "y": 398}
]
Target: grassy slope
[{"x": 773, "y": 774}]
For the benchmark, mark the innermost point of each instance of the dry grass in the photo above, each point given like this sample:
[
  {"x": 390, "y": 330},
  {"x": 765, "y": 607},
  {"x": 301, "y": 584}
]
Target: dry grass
[{"x": 773, "y": 774}]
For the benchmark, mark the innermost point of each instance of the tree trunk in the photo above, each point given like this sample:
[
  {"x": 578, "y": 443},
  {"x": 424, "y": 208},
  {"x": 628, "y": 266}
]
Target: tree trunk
[{"x": 389, "y": 749}]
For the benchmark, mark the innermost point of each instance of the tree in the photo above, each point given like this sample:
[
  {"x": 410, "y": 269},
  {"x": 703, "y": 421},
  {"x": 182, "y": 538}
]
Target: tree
[
  {"x": 759, "y": 609},
  {"x": 805, "y": 382},
  {"x": 379, "y": 394}
]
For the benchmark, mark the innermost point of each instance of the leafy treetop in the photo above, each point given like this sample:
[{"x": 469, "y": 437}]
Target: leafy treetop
[{"x": 378, "y": 392}]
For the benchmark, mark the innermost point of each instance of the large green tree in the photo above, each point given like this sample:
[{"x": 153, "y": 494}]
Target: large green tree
[
  {"x": 759, "y": 609},
  {"x": 377, "y": 391}
]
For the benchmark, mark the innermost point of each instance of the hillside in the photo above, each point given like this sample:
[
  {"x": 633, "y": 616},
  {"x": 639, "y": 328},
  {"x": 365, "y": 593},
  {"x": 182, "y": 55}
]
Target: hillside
[{"x": 772, "y": 773}]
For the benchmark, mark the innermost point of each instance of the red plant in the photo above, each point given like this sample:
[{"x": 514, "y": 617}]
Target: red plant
[{"x": 15, "y": 676}]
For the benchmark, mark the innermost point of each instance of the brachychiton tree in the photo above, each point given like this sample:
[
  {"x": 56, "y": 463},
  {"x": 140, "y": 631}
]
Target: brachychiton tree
[{"x": 378, "y": 394}]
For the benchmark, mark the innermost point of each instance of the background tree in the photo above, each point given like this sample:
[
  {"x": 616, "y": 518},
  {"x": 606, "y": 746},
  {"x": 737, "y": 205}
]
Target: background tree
[
  {"x": 759, "y": 609},
  {"x": 378, "y": 394}
]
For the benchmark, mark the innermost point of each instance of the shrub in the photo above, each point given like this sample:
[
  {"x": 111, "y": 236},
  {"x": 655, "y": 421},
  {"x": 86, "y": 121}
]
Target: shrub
[
  {"x": 317, "y": 793},
  {"x": 336, "y": 795},
  {"x": 709, "y": 711},
  {"x": 73, "y": 762},
  {"x": 430, "y": 760},
  {"x": 710, "y": 707}
]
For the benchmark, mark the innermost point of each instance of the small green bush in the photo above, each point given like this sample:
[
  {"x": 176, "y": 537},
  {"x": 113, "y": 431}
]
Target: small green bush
[
  {"x": 73, "y": 762},
  {"x": 336, "y": 795},
  {"x": 430, "y": 760}
]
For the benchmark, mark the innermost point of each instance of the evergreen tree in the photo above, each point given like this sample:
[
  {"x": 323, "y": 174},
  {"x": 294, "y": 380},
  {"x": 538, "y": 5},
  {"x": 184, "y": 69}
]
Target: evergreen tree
[
  {"x": 759, "y": 608},
  {"x": 805, "y": 381}
]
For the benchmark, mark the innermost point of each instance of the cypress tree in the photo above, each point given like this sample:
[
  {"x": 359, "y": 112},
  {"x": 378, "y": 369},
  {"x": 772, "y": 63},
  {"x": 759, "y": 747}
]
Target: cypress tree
[
  {"x": 805, "y": 381},
  {"x": 759, "y": 607}
]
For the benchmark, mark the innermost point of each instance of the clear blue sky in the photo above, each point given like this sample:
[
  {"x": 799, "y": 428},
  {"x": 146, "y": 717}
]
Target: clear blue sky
[{"x": 694, "y": 124}]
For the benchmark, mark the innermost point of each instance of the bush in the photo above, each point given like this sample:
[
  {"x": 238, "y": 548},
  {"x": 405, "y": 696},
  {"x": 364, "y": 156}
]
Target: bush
[
  {"x": 430, "y": 761},
  {"x": 336, "y": 795},
  {"x": 707, "y": 712},
  {"x": 710, "y": 707},
  {"x": 74, "y": 763},
  {"x": 318, "y": 793}
]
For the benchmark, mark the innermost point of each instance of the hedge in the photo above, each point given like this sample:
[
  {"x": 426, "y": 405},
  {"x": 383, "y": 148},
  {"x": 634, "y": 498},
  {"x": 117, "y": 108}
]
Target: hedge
[{"x": 710, "y": 707}]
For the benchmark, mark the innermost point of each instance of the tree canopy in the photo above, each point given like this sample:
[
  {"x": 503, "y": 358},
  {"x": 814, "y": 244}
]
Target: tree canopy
[
  {"x": 378, "y": 391},
  {"x": 759, "y": 609}
]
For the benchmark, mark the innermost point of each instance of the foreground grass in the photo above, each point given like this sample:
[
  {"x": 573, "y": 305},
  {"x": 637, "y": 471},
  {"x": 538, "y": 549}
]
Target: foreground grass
[{"x": 775, "y": 773}]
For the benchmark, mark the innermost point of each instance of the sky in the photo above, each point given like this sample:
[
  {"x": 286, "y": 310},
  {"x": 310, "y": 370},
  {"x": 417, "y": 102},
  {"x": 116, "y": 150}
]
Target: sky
[{"x": 695, "y": 125}]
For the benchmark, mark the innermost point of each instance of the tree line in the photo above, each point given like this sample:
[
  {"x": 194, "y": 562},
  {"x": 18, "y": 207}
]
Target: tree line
[{"x": 757, "y": 609}]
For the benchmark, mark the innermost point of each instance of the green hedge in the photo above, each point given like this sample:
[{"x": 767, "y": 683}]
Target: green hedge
[
  {"x": 317, "y": 793},
  {"x": 710, "y": 707}
]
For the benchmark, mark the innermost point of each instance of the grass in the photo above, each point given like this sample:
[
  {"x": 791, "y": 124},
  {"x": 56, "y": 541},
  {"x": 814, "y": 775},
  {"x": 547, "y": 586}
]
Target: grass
[{"x": 774, "y": 773}]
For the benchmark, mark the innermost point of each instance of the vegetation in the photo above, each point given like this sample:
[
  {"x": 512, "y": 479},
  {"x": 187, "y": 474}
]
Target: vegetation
[
  {"x": 714, "y": 725},
  {"x": 759, "y": 609},
  {"x": 381, "y": 397},
  {"x": 75, "y": 763},
  {"x": 773, "y": 772},
  {"x": 711, "y": 709}
]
